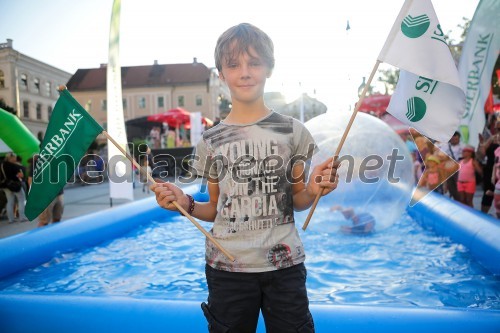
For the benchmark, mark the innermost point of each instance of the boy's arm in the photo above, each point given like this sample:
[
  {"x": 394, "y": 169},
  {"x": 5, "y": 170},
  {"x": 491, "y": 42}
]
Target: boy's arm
[
  {"x": 168, "y": 192},
  {"x": 207, "y": 211},
  {"x": 323, "y": 177}
]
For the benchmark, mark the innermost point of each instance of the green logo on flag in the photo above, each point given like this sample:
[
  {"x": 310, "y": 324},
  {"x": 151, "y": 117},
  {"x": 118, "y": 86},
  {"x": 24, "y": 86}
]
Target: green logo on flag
[
  {"x": 415, "y": 109},
  {"x": 414, "y": 27}
]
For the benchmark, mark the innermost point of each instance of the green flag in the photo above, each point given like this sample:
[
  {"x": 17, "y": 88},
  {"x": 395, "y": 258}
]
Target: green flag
[{"x": 69, "y": 134}]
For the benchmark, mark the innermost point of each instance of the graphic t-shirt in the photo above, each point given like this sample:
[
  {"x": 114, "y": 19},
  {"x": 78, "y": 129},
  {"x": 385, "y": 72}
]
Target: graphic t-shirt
[{"x": 253, "y": 164}]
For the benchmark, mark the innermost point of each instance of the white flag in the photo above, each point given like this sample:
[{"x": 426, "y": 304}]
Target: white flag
[
  {"x": 479, "y": 54},
  {"x": 428, "y": 96}
]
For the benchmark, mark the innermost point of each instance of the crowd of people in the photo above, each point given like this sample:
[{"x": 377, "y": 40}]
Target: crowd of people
[
  {"x": 458, "y": 170},
  {"x": 168, "y": 137}
]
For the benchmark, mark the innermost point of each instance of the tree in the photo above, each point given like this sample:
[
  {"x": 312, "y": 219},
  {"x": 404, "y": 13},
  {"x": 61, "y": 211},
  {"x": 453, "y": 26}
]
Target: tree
[
  {"x": 456, "y": 46},
  {"x": 389, "y": 77},
  {"x": 7, "y": 108}
]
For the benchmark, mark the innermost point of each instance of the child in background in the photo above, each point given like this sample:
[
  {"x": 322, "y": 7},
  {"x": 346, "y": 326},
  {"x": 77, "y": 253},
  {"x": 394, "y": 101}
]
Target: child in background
[
  {"x": 433, "y": 174},
  {"x": 466, "y": 184},
  {"x": 495, "y": 179}
]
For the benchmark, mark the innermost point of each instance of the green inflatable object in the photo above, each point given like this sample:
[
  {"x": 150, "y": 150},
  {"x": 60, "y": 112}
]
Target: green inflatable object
[{"x": 17, "y": 136}]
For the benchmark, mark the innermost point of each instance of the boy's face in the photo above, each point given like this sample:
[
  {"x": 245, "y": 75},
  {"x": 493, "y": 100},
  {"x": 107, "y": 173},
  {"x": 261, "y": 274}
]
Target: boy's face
[{"x": 245, "y": 76}]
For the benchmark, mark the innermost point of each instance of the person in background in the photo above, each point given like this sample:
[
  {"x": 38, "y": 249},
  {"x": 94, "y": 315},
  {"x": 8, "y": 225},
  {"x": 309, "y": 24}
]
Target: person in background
[
  {"x": 154, "y": 134},
  {"x": 13, "y": 171},
  {"x": 453, "y": 148},
  {"x": 466, "y": 184},
  {"x": 410, "y": 144},
  {"x": 417, "y": 166},
  {"x": 216, "y": 121},
  {"x": 24, "y": 181},
  {"x": 253, "y": 208},
  {"x": 143, "y": 174},
  {"x": 54, "y": 211},
  {"x": 495, "y": 179},
  {"x": 361, "y": 223},
  {"x": 433, "y": 175},
  {"x": 486, "y": 152}
]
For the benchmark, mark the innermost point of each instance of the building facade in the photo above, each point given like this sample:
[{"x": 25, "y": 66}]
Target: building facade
[
  {"x": 29, "y": 86},
  {"x": 151, "y": 89}
]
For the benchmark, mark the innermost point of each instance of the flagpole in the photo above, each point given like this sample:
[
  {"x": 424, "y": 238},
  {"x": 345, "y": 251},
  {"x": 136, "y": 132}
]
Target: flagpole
[
  {"x": 175, "y": 203},
  {"x": 344, "y": 136}
]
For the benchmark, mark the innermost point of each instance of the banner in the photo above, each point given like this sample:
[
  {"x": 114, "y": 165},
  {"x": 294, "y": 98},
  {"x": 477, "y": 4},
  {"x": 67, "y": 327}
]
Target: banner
[
  {"x": 196, "y": 128},
  {"x": 69, "y": 134},
  {"x": 479, "y": 55},
  {"x": 119, "y": 167},
  {"x": 429, "y": 95}
]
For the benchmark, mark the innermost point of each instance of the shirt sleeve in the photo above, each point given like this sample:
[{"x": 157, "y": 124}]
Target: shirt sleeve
[
  {"x": 305, "y": 147},
  {"x": 203, "y": 162}
]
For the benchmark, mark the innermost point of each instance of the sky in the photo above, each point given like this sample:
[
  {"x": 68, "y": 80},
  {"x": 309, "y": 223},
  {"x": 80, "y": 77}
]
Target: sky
[{"x": 314, "y": 52}]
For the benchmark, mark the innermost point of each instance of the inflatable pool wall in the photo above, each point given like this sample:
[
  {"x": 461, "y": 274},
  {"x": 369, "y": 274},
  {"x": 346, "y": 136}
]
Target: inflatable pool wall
[
  {"x": 479, "y": 232},
  {"x": 62, "y": 313}
]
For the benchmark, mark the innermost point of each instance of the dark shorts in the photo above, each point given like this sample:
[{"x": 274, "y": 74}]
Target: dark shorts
[{"x": 235, "y": 299}]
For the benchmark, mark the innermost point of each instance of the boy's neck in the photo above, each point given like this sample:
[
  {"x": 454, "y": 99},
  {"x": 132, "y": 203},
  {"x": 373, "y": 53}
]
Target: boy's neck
[{"x": 247, "y": 113}]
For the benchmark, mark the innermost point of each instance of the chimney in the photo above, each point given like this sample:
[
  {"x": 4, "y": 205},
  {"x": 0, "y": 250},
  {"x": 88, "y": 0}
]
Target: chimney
[
  {"x": 195, "y": 61},
  {"x": 104, "y": 65},
  {"x": 9, "y": 42},
  {"x": 156, "y": 62}
]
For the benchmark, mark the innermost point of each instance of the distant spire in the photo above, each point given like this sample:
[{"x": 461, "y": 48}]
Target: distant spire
[{"x": 348, "y": 27}]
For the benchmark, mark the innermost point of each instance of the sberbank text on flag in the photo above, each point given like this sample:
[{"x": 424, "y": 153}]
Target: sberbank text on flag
[
  {"x": 429, "y": 95},
  {"x": 69, "y": 134},
  {"x": 479, "y": 55}
]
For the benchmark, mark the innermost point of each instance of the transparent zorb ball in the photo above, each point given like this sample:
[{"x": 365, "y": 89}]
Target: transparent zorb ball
[{"x": 376, "y": 174}]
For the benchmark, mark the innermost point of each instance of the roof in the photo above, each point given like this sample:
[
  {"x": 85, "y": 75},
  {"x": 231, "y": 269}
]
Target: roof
[{"x": 141, "y": 76}]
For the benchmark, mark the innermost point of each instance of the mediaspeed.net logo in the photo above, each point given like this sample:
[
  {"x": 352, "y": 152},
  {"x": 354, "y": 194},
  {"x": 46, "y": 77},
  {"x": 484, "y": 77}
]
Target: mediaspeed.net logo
[
  {"x": 436, "y": 162},
  {"x": 414, "y": 27}
]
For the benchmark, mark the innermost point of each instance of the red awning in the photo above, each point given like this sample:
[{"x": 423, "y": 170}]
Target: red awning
[{"x": 375, "y": 103}]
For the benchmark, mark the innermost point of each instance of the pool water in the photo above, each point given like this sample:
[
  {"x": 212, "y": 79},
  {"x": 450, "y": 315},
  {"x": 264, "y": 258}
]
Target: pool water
[{"x": 402, "y": 265}]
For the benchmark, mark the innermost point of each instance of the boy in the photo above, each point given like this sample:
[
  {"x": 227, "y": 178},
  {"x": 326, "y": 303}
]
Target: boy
[{"x": 254, "y": 163}]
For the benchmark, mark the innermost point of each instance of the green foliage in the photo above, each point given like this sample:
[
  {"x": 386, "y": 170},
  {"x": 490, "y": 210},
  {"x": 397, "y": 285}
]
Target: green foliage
[
  {"x": 7, "y": 108},
  {"x": 389, "y": 77}
]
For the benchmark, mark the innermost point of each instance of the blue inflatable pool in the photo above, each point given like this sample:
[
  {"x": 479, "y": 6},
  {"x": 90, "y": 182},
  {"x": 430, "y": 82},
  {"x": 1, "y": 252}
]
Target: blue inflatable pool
[{"x": 50, "y": 312}]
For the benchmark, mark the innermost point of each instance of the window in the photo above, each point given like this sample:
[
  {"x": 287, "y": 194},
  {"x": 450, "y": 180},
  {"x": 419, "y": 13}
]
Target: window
[
  {"x": 49, "y": 111},
  {"x": 38, "y": 111},
  {"x": 26, "y": 109},
  {"x": 199, "y": 100},
  {"x": 24, "y": 81},
  {"x": 142, "y": 102},
  {"x": 180, "y": 101},
  {"x": 48, "y": 88},
  {"x": 124, "y": 103},
  {"x": 2, "y": 80},
  {"x": 36, "y": 84},
  {"x": 161, "y": 102},
  {"x": 104, "y": 105}
]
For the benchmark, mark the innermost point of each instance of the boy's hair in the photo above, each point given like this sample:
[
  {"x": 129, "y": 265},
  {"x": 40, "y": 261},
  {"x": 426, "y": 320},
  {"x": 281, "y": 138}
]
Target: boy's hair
[{"x": 238, "y": 39}]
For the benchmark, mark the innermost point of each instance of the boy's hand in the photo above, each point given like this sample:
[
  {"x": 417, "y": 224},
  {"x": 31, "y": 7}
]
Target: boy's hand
[
  {"x": 324, "y": 178},
  {"x": 168, "y": 192}
]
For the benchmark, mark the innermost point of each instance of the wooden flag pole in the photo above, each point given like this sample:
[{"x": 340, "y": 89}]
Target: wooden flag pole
[
  {"x": 175, "y": 203},
  {"x": 342, "y": 140}
]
